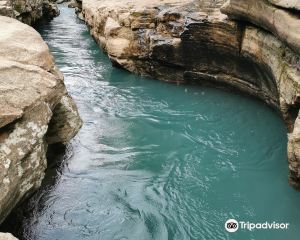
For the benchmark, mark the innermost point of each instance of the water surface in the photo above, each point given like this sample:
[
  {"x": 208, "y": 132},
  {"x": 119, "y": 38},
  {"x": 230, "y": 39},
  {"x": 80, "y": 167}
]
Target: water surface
[{"x": 159, "y": 161}]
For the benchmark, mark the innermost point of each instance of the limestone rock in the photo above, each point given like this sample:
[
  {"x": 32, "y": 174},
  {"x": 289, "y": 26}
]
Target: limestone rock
[
  {"x": 292, "y": 4},
  {"x": 32, "y": 93},
  {"x": 192, "y": 40},
  {"x": 17, "y": 45},
  {"x": 28, "y": 11},
  {"x": 6, "y": 9},
  {"x": 294, "y": 153},
  {"x": 65, "y": 123},
  {"x": 50, "y": 10},
  {"x": 7, "y": 236},
  {"x": 281, "y": 22},
  {"x": 73, "y": 4}
]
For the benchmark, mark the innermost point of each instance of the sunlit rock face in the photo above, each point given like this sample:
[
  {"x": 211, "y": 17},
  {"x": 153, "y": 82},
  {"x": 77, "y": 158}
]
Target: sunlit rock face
[
  {"x": 7, "y": 236},
  {"x": 210, "y": 42},
  {"x": 32, "y": 93},
  {"x": 28, "y": 11}
]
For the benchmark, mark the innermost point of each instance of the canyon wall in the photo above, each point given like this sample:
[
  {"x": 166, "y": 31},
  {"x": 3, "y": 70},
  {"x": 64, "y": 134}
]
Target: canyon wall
[
  {"x": 36, "y": 111},
  {"x": 28, "y": 11},
  {"x": 250, "y": 45}
]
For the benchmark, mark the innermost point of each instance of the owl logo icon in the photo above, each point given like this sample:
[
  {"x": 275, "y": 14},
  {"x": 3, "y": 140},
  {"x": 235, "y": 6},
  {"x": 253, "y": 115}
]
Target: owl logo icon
[{"x": 231, "y": 225}]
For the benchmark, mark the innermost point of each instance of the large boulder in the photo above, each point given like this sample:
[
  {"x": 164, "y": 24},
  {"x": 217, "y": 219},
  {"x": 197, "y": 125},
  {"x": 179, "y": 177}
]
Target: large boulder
[{"x": 32, "y": 93}]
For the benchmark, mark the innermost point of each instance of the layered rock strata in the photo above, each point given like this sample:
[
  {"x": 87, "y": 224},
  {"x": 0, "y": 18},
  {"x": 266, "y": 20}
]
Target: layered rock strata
[
  {"x": 192, "y": 40},
  {"x": 28, "y": 11},
  {"x": 35, "y": 110},
  {"x": 284, "y": 23}
]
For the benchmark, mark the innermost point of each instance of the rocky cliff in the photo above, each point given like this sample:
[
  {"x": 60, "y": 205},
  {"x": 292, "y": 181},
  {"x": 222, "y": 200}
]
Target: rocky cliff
[
  {"x": 250, "y": 45},
  {"x": 36, "y": 111},
  {"x": 28, "y": 11}
]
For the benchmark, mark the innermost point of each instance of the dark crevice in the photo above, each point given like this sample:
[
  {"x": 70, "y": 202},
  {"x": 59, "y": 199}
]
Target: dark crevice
[
  {"x": 57, "y": 155},
  {"x": 241, "y": 28}
]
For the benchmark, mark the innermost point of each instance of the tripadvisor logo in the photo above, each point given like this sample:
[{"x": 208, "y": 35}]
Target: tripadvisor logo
[{"x": 232, "y": 225}]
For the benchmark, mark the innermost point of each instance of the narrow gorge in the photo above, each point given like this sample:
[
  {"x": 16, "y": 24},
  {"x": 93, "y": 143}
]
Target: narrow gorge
[
  {"x": 184, "y": 41},
  {"x": 153, "y": 160}
]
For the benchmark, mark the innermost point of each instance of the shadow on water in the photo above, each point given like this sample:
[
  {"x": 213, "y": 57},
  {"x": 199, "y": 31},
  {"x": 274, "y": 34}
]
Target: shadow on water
[{"x": 57, "y": 158}]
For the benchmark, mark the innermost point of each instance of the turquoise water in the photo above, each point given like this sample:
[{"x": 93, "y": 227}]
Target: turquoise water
[{"x": 159, "y": 161}]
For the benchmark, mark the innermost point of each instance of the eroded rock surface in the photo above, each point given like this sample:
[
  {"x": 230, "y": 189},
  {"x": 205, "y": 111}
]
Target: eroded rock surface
[
  {"x": 291, "y": 4},
  {"x": 283, "y": 23},
  {"x": 7, "y": 236},
  {"x": 35, "y": 110},
  {"x": 192, "y": 40},
  {"x": 28, "y": 11}
]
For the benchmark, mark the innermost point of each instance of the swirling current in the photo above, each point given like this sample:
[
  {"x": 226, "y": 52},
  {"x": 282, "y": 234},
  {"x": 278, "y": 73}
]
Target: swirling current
[{"x": 158, "y": 161}]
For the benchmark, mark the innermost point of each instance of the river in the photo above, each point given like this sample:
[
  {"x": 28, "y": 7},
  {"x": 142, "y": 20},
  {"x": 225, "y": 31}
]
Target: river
[{"x": 158, "y": 161}]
